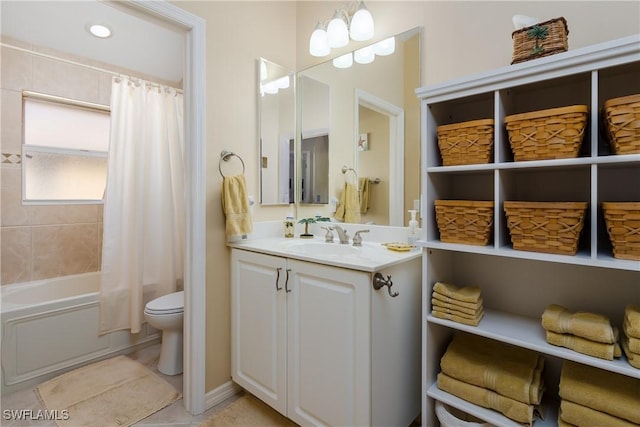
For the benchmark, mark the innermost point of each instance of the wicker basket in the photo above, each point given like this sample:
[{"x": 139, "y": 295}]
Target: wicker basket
[
  {"x": 623, "y": 226},
  {"x": 556, "y": 133},
  {"x": 623, "y": 123},
  {"x": 466, "y": 143},
  {"x": 542, "y": 39},
  {"x": 464, "y": 221},
  {"x": 552, "y": 227}
]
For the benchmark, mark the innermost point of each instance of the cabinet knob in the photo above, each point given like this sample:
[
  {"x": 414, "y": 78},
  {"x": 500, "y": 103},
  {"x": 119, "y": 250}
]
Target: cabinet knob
[{"x": 379, "y": 281}]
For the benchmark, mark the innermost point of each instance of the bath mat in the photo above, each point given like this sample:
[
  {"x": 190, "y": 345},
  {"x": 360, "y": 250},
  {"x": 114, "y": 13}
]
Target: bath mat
[
  {"x": 114, "y": 392},
  {"x": 247, "y": 411}
]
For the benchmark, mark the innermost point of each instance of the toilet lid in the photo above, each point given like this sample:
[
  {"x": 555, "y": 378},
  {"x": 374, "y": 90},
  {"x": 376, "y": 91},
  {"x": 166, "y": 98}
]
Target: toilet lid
[{"x": 166, "y": 304}]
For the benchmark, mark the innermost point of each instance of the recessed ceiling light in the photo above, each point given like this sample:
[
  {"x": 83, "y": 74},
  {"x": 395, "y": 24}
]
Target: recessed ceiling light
[{"x": 100, "y": 31}]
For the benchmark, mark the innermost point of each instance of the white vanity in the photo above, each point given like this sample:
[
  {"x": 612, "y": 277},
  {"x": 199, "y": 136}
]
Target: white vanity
[{"x": 313, "y": 339}]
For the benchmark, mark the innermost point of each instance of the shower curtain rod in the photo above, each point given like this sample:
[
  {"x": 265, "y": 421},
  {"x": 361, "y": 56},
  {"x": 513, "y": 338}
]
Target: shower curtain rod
[{"x": 90, "y": 67}]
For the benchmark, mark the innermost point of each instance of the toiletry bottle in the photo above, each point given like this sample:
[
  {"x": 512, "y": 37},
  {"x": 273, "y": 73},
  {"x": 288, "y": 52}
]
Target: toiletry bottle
[
  {"x": 413, "y": 228},
  {"x": 288, "y": 226}
]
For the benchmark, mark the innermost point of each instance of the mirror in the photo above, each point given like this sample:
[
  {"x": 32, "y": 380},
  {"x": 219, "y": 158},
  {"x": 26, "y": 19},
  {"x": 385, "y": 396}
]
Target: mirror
[
  {"x": 276, "y": 119},
  {"x": 374, "y": 130}
]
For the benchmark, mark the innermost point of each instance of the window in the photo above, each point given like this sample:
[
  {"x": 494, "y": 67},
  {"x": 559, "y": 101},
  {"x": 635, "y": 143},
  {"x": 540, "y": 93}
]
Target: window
[{"x": 65, "y": 150}]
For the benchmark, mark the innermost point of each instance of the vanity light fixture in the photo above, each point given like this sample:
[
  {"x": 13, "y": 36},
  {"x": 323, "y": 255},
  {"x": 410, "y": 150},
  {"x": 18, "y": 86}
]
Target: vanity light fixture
[
  {"x": 366, "y": 55},
  {"x": 385, "y": 47},
  {"x": 352, "y": 21},
  {"x": 344, "y": 61},
  {"x": 100, "y": 31}
]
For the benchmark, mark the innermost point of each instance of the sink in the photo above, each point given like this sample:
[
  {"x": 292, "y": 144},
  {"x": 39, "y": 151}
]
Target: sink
[{"x": 323, "y": 249}]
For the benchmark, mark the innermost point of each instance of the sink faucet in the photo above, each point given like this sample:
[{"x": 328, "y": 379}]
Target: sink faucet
[
  {"x": 342, "y": 234},
  {"x": 357, "y": 238}
]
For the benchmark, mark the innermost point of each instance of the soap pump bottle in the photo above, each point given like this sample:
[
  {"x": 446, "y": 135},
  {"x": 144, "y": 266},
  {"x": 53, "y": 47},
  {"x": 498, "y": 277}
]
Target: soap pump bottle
[
  {"x": 288, "y": 226},
  {"x": 413, "y": 228}
]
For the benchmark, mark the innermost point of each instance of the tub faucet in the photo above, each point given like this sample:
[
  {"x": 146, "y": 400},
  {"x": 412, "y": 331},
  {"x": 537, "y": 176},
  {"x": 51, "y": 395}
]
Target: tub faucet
[{"x": 342, "y": 234}]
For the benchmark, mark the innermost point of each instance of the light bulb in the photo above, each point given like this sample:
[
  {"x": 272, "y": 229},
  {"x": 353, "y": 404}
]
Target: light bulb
[
  {"x": 385, "y": 47},
  {"x": 282, "y": 82},
  {"x": 337, "y": 32},
  {"x": 318, "y": 44},
  {"x": 100, "y": 31},
  {"x": 366, "y": 55},
  {"x": 362, "y": 24},
  {"x": 344, "y": 61}
]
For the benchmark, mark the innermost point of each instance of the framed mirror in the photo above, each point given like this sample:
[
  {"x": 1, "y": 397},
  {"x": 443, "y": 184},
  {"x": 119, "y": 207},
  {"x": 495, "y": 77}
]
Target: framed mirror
[
  {"x": 373, "y": 129},
  {"x": 276, "y": 119}
]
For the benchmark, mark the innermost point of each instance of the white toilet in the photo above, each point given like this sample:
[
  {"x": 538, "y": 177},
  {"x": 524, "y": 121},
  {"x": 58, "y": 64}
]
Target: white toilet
[{"x": 166, "y": 313}]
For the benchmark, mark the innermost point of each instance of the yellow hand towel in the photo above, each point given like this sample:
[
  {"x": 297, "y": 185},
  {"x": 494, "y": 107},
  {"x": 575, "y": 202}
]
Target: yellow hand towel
[
  {"x": 510, "y": 371},
  {"x": 510, "y": 408},
  {"x": 605, "y": 391},
  {"x": 452, "y": 312},
  {"x": 348, "y": 209},
  {"x": 632, "y": 342},
  {"x": 563, "y": 423},
  {"x": 467, "y": 294},
  {"x": 594, "y": 327},
  {"x": 584, "y": 346},
  {"x": 459, "y": 319},
  {"x": 632, "y": 357},
  {"x": 365, "y": 195},
  {"x": 632, "y": 316},
  {"x": 586, "y": 417},
  {"x": 455, "y": 307},
  {"x": 235, "y": 205},
  {"x": 447, "y": 300}
]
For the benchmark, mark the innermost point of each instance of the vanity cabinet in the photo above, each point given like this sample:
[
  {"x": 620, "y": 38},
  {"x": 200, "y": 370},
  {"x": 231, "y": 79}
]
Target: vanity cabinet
[
  {"x": 517, "y": 286},
  {"x": 319, "y": 345}
]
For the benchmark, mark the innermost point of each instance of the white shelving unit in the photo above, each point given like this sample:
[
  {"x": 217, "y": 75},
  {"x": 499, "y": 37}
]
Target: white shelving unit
[{"x": 517, "y": 285}]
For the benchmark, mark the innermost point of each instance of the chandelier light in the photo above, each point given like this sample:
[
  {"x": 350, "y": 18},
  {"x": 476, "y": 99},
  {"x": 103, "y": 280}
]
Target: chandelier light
[
  {"x": 366, "y": 55},
  {"x": 352, "y": 21},
  {"x": 385, "y": 47},
  {"x": 344, "y": 61}
]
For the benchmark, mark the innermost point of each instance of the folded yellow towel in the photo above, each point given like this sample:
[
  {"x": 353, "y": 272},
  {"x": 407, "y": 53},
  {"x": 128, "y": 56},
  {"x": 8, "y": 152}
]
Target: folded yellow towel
[
  {"x": 584, "y": 346},
  {"x": 510, "y": 371},
  {"x": 348, "y": 209},
  {"x": 632, "y": 357},
  {"x": 473, "y": 312},
  {"x": 605, "y": 391},
  {"x": 584, "y": 416},
  {"x": 456, "y": 318},
  {"x": 235, "y": 205},
  {"x": 365, "y": 195},
  {"x": 563, "y": 423},
  {"x": 517, "y": 411},
  {"x": 594, "y": 327},
  {"x": 632, "y": 317},
  {"x": 467, "y": 294},
  {"x": 448, "y": 300},
  {"x": 632, "y": 342}
]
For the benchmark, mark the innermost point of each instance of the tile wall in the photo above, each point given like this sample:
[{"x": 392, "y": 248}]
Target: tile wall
[{"x": 39, "y": 242}]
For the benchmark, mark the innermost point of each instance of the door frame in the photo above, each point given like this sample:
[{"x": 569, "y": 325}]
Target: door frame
[{"x": 194, "y": 91}]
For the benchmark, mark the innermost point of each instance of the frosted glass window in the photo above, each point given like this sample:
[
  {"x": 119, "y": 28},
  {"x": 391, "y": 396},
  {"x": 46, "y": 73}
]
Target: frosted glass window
[{"x": 64, "y": 156}]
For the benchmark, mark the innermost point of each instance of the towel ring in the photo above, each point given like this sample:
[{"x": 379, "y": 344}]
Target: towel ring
[{"x": 226, "y": 155}]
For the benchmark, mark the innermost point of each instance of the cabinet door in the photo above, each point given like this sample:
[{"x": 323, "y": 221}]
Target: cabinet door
[
  {"x": 328, "y": 345},
  {"x": 258, "y": 334}
]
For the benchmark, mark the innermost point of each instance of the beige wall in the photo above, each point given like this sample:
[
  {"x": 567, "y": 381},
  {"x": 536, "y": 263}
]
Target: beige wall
[
  {"x": 376, "y": 126},
  {"x": 459, "y": 38}
]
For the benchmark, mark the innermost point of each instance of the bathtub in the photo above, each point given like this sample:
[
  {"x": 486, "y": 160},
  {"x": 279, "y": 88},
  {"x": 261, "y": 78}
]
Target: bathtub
[{"x": 51, "y": 326}]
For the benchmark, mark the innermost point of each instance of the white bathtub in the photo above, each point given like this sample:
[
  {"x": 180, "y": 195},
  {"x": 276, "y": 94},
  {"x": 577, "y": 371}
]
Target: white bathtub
[{"x": 51, "y": 326}]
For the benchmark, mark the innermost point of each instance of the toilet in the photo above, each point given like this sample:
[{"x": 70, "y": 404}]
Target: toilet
[{"x": 166, "y": 313}]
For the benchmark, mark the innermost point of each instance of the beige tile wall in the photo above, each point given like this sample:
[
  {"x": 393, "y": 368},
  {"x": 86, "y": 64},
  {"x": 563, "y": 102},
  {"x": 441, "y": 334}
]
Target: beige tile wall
[{"x": 38, "y": 242}]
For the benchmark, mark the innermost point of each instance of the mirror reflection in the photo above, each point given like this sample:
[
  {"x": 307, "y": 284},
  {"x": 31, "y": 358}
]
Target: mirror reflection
[
  {"x": 276, "y": 109},
  {"x": 374, "y": 132}
]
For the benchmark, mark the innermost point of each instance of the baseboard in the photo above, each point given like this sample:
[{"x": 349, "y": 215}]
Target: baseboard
[{"x": 220, "y": 394}]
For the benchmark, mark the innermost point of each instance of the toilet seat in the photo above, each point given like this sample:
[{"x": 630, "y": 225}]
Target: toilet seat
[{"x": 167, "y": 304}]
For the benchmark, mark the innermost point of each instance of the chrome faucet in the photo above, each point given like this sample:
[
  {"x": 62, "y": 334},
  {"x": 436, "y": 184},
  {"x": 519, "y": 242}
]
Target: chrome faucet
[
  {"x": 342, "y": 234},
  {"x": 357, "y": 238}
]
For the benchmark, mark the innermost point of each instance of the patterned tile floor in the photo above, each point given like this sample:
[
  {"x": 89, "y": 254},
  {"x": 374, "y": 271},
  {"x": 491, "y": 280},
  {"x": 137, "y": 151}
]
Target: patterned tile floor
[{"x": 174, "y": 415}]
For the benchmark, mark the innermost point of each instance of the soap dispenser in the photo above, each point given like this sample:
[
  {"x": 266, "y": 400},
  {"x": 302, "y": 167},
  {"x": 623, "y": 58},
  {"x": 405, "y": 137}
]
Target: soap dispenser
[
  {"x": 413, "y": 228},
  {"x": 288, "y": 226}
]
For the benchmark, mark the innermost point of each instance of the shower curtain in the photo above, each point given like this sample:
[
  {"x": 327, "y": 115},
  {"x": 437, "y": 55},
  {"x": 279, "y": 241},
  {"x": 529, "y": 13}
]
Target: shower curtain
[{"x": 144, "y": 206}]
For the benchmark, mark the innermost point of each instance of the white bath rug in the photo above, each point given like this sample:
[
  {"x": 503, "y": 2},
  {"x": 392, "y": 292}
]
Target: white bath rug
[{"x": 114, "y": 392}]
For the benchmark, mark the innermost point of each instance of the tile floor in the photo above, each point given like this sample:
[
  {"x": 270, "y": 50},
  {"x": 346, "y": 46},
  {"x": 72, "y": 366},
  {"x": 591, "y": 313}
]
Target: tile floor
[{"x": 174, "y": 415}]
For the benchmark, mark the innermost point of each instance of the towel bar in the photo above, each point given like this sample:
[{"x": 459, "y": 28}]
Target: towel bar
[{"x": 226, "y": 155}]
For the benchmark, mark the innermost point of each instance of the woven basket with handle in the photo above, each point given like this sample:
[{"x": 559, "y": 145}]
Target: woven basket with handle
[
  {"x": 464, "y": 221},
  {"x": 551, "y": 227},
  {"x": 542, "y": 39},
  {"x": 623, "y": 226},
  {"x": 466, "y": 143},
  {"x": 623, "y": 123},
  {"x": 555, "y": 133}
]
